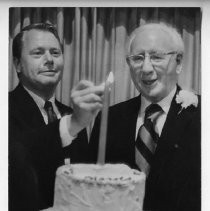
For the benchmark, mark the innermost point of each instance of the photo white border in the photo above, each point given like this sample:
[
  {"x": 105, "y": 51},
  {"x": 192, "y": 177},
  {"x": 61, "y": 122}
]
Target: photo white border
[{"x": 205, "y": 76}]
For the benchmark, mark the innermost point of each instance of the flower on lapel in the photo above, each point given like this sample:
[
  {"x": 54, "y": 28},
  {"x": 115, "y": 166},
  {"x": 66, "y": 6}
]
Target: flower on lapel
[{"x": 186, "y": 98}]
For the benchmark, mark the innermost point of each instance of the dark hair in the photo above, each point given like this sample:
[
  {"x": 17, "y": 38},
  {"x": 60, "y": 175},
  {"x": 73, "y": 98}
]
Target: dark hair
[{"x": 17, "y": 41}]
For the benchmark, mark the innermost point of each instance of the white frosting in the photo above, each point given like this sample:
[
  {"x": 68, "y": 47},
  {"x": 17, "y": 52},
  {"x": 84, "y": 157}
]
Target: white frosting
[{"x": 89, "y": 187}]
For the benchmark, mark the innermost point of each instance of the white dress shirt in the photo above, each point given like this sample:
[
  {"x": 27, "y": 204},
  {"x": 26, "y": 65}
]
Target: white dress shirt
[
  {"x": 165, "y": 104},
  {"x": 66, "y": 137}
]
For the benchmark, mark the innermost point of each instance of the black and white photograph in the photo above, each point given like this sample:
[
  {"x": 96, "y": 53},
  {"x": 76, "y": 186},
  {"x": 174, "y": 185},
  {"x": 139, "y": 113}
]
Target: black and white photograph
[{"x": 104, "y": 107}]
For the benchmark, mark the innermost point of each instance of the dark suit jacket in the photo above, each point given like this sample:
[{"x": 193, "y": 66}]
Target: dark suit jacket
[
  {"x": 174, "y": 179},
  {"x": 40, "y": 144}
]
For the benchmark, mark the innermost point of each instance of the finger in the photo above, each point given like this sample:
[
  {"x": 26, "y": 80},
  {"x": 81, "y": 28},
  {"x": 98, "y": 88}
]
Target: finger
[
  {"x": 87, "y": 99},
  {"x": 83, "y": 84},
  {"x": 92, "y": 107},
  {"x": 90, "y": 98},
  {"x": 98, "y": 90}
]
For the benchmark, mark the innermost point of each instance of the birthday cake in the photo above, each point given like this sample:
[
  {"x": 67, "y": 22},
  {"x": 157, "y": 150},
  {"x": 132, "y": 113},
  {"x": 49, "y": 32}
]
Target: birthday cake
[{"x": 89, "y": 187}]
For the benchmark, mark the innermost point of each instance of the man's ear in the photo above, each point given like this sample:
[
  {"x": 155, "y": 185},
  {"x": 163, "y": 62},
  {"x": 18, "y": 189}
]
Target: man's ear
[
  {"x": 179, "y": 68},
  {"x": 179, "y": 63},
  {"x": 179, "y": 58},
  {"x": 17, "y": 65}
]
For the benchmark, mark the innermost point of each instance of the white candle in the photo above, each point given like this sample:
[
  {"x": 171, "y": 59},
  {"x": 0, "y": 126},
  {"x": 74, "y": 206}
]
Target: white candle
[{"x": 104, "y": 119}]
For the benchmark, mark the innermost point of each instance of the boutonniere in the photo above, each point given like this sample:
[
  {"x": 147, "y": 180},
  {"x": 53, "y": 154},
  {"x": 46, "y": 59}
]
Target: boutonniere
[{"x": 186, "y": 98}]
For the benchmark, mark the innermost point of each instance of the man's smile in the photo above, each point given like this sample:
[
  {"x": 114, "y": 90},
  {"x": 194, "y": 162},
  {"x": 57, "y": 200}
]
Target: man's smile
[
  {"x": 149, "y": 82},
  {"x": 48, "y": 71}
]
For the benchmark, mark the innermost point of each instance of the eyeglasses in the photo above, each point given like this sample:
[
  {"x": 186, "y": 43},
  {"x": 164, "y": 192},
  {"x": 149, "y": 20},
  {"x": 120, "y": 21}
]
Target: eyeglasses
[{"x": 155, "y": 58}]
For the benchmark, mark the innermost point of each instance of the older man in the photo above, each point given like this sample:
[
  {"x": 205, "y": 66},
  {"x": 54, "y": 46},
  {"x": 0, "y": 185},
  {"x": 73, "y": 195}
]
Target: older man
[
  {"x": 42, "y": 131},
  {"x": 157, "y": 132}
]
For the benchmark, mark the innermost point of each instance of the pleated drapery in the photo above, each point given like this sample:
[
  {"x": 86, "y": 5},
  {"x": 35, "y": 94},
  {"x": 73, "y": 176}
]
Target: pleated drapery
[{"x": 95, "y": 38}]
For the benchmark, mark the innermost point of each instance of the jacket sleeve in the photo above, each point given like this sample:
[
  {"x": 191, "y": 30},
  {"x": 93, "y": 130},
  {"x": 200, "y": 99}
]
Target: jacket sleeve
[{"x": 44, "y": 153}]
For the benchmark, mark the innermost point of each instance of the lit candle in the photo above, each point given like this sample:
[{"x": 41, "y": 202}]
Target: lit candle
[{"x": 104, "y": 118}]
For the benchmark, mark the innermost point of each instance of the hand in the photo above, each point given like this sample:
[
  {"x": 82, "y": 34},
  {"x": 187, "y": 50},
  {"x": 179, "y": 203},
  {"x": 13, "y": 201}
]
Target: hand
[{"x": 87, "y": 102}]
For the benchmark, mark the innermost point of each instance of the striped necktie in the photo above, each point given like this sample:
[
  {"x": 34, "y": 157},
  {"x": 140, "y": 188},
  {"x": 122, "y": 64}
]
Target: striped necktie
[
  {"x": 50, "y": 112},
  {"x": 147, "y": 138}
]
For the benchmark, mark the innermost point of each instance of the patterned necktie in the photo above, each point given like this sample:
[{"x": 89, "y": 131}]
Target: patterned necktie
[
  {"x": 50, "y": 112},
  {"x": 147, "y": 138}
]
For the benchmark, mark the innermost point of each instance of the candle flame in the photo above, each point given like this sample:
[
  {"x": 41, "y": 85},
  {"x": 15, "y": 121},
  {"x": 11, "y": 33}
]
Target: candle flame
[{"x": 110, "y": 78}]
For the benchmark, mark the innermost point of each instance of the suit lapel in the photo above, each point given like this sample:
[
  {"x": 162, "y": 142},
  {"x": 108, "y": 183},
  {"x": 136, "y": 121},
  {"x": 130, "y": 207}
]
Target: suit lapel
[
  {"x": 171, "y": 126},
  {"x": 31, "y": 112},
  {"x": 172, "y": 132},
  {"x": 127, "y": 130},
  {"x": 130, "y": 115}
]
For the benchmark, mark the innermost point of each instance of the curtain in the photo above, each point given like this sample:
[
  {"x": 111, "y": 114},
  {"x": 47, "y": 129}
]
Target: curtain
[{"x": 94, "y": 40}]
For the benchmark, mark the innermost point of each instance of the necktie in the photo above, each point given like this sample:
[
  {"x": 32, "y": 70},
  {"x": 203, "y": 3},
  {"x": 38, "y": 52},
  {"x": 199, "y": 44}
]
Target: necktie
[
  {"x": 50, "y": 112},
  {"x": 147, "y": 138}
]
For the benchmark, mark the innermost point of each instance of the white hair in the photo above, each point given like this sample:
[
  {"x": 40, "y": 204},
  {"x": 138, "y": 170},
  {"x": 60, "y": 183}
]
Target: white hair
[{"x": 171, "y": 31}]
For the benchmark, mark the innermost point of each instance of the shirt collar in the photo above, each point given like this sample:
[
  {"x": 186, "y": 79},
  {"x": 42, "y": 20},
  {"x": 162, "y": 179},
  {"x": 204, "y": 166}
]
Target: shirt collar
[
  {"x": 164, "y": 103},
  {"x": 38, "y": 100}
]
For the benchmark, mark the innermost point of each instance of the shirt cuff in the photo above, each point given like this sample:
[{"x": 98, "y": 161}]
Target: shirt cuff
[{"x": 66, "y": 137}]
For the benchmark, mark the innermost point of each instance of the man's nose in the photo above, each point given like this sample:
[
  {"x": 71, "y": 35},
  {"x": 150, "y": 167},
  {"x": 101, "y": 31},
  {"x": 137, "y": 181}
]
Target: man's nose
[
  {"x": 147, "y": 66},
  {"x": 48, "y": 57}
]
